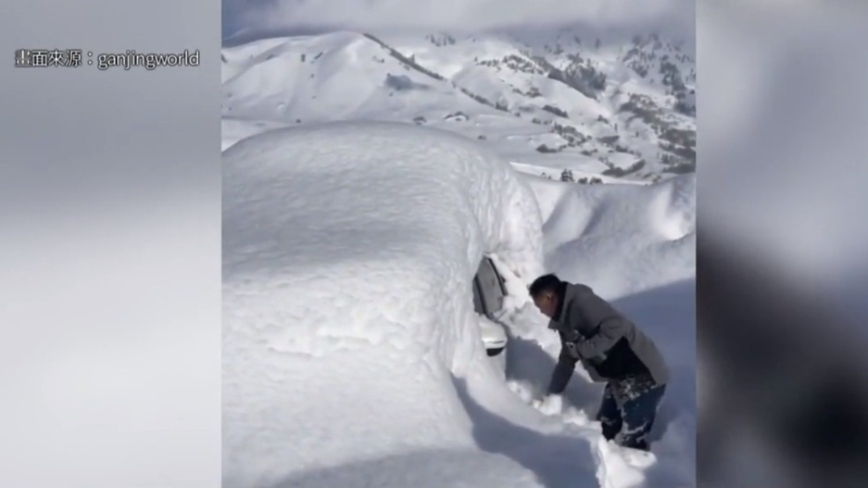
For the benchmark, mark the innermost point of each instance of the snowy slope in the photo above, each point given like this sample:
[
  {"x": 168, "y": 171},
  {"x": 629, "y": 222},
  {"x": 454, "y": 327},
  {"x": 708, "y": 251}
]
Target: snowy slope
[
  {"x": 553, "y": 101},
  {"x": 350, "y": 352}
]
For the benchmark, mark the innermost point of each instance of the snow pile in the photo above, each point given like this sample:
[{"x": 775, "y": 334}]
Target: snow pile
[{"x": 349, "y": 251}]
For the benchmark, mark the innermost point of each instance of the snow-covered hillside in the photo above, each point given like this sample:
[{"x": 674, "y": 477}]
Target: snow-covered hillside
[
  {"x": 351, "y": 352},
  {"x": 556, "y": 104}
]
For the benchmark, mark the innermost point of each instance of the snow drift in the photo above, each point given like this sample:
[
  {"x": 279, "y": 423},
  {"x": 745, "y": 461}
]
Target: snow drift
[
  {"x": 624, "y": 239},
  {"x": 349, "y": 251}
]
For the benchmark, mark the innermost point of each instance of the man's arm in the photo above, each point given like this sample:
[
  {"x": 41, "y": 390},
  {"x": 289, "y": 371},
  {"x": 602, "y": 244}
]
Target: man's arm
[
  {"x": 562, "y": 373},
  {"x": 609, "y": 333}
]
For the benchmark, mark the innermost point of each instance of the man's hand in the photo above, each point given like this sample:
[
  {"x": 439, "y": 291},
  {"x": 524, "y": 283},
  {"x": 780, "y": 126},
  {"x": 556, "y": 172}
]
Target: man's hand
[{"x": 550, "y": 405}]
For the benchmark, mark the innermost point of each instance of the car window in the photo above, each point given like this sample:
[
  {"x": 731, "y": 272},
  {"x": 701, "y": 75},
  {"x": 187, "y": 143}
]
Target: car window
[
  {"x": 477, "y": 299},
  {"x": 490, "y": 286}
]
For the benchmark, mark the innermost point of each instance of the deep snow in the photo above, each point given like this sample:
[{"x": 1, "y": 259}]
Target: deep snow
[
  {"x": 351, "y": 350},
  {"x": 348, "y": 256}
]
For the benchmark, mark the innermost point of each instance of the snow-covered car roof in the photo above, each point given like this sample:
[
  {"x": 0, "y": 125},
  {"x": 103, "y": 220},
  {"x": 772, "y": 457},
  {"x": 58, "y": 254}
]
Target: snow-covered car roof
[
  {"x": 367, "y": 213},
  {"x": 348, "y": 254}
]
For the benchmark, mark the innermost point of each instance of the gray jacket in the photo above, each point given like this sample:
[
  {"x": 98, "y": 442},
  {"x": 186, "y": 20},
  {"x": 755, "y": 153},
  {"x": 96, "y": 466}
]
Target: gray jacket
[{"x": 608, "y": 344}]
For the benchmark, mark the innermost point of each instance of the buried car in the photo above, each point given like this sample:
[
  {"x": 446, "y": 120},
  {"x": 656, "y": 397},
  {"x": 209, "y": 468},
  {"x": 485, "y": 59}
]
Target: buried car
[
  {"x": 355, "y": 270},
  {"x": 489, "y": 292}
]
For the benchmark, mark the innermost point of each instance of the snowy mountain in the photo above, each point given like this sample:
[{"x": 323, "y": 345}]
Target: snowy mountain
[{"x": 556, "y": 104}]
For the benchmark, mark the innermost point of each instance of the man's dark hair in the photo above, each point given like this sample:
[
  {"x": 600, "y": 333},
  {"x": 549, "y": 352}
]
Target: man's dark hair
[{"x": 543, "y": 284}]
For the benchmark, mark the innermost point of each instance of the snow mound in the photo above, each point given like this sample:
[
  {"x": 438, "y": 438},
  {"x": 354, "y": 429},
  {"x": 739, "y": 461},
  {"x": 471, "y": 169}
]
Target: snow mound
[
  {"x": 349, "y": 251},
  {"x": 621, "y": 239}
]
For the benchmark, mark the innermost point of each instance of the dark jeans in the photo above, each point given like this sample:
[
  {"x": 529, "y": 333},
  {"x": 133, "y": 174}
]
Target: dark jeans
[{"x": 633, "y": 420}]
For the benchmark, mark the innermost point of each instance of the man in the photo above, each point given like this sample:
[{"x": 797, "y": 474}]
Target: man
[{"x": 612, "y": 349}]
